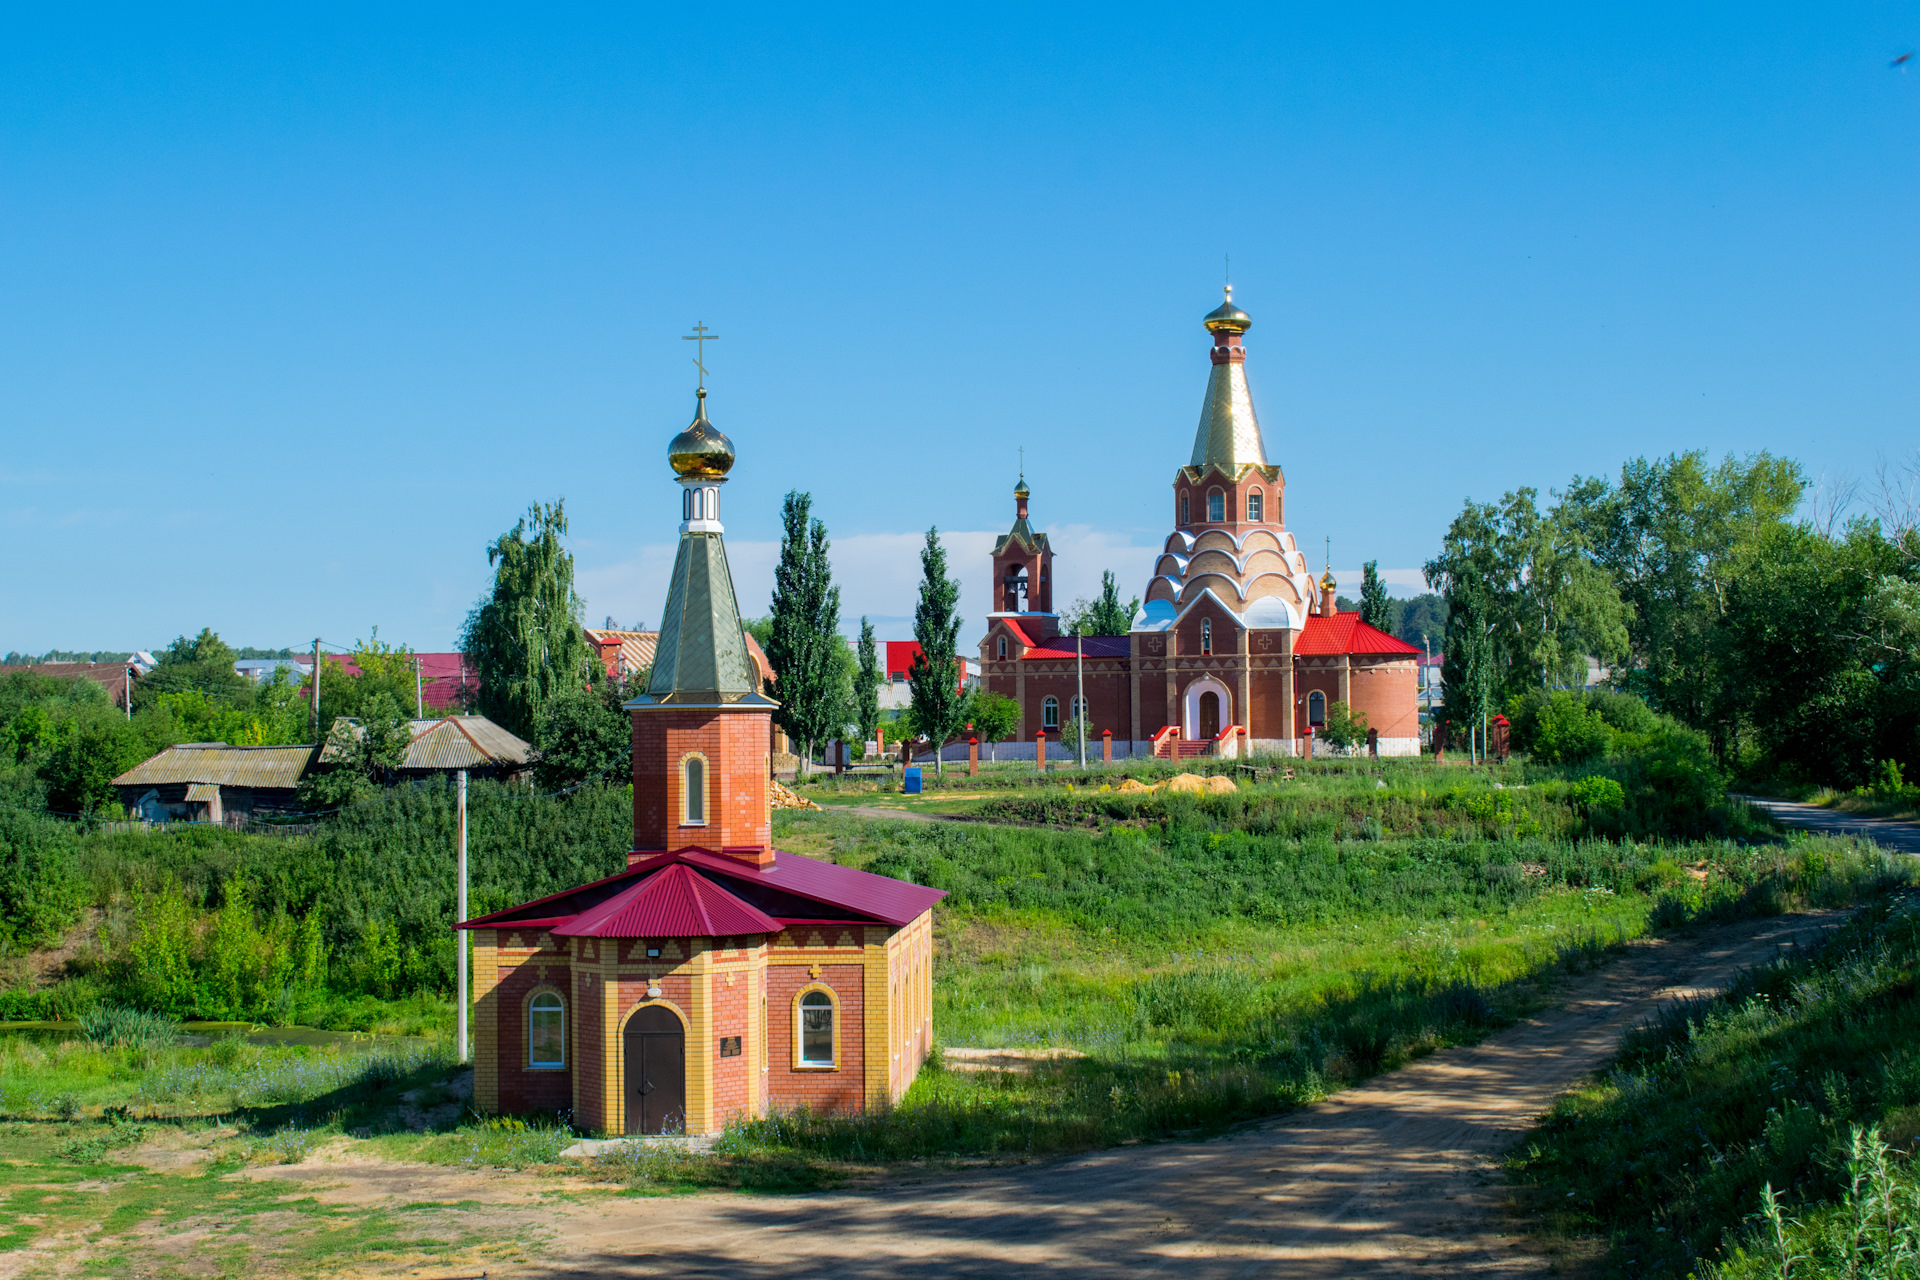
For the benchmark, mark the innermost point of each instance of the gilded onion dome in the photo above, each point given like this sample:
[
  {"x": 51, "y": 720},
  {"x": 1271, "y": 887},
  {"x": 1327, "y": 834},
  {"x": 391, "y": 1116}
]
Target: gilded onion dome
[
  {"x": 1020, "y": 490},
  {"x": 1326, "y": 581},
  {"x": 702, "y": 451},
  {"x": 1227, "y": 318}
]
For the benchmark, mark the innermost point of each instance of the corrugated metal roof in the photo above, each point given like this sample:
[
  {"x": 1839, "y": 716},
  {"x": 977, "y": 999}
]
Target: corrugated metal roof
[
  {"x": 792, "y": 876},
  {"x": 677, "y": 902},
  {"x": 218, "y": 763},
  {"x": 1096, "y": 647},
  {"x": 204, "y": 791},
  {"x": 1345, "y": 633},
  {"x": 453, "y": 742}
]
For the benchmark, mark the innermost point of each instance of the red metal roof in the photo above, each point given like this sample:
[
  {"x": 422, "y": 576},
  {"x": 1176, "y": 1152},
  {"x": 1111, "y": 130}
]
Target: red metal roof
[
  {"x": 1019, "y": 631},
  {"x": 704, "y": 898},
  {"x": 1059, "y": 647},
  {"x": 675, "y": 902},
  {"x": 1345, "y": 633}
]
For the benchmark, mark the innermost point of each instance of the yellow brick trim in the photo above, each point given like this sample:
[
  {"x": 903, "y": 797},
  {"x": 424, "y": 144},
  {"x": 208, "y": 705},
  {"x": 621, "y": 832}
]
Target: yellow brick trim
[
  {"x": 700, "y": 1032},
  {"x": 877, "y": 1015},
  {"x": 613, "y": 1089},
  {"x": 486, "y": 1021}
]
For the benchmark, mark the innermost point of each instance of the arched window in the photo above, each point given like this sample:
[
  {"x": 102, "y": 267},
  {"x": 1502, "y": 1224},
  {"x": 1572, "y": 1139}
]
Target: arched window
[
  {"x": 1003, "y": 648},
  {"x": 546, "y": 1032},
  {"x": 1256, "y": 507},
  {"x": 1206, "y": 637},
  {"x": 686, "y": 504},
  {"x": 1183, "y": 509},
  {"x": 1050, "y": 714},
  {"x": 816, "y": 1029},
  {"x": 693, "y": 792},
  {"x": 1079, "y": 705},
  {"x": 1316, "y": 708},
  {"x": 1216, "y": 507}
]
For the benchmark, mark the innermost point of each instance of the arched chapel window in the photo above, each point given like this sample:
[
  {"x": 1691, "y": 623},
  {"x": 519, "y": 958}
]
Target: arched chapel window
[
  {"x": 693, "y": 792},
  {"x": 816, "y": 1029},
  {"x": 1206, "y": 637},
  {"x": 1080, "y": 710},
  {"x": 1003, "y": 648},
  {"x": 546, "y": 1032},
  {"x": 1050, "y": 714},
  {"x": 1256, "y": 507},
  {"x": 1316, "y": 708},
  {"x": 1183, "y": 509},
  {"x": 1216, "y": 507}
]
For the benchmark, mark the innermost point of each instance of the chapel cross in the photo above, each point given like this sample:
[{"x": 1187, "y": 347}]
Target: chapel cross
[{"x": 702, "y": 335}]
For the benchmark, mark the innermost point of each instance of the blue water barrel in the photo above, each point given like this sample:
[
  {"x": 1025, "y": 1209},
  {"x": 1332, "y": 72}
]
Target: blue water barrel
[{"x": 911, "y": 785}]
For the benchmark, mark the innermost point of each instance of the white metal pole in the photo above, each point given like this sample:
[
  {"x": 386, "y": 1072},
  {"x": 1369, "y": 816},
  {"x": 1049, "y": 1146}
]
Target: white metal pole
[
  {"x": 1080, "y": 696},
  {"x": 460, "y": 913},
  {"x": 419, "y": 698}
]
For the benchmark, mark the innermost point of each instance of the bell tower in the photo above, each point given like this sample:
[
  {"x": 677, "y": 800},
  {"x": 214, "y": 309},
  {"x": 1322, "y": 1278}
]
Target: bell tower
[
  {"x": 701, "y": 731},
  {"x": 1023, "y": 570}
]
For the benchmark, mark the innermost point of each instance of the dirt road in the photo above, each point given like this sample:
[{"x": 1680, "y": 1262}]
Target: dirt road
[
  {"x": 1894, "y": 837},
  {"x": 1391, "y": 1179}
]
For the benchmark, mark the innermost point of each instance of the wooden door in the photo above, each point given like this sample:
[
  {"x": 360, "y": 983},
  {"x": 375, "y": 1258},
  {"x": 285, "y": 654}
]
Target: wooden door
[
  {"x": 656, "y": 1052},
  {"x": 1209, "y": 716}
]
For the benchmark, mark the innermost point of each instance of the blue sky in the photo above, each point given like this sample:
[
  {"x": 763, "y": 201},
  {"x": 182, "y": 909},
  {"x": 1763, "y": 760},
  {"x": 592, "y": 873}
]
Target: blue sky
[{"x": 304, "y": 306}]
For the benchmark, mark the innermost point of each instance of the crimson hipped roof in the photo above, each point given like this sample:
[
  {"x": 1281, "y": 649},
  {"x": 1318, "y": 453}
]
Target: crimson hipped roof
[
  {"x": 1345, "y": 633},
  {"x": 697, "y": 893}
]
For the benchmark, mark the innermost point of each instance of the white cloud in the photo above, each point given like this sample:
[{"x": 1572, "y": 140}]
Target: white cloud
[{"x": 878, "y": 575}]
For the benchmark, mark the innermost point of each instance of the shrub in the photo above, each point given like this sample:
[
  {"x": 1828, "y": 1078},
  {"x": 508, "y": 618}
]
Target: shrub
[
  {"x": 1345, "y": 727},
  {"x": 39, "y": 892},
  {"x": 1598, "y": 793},
  {"x": 1566, "y": 732}
]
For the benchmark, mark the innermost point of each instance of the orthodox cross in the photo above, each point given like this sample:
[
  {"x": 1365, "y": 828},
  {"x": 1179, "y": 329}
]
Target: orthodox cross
[
  {"x": 1023, "y": 462},
  {"x": 702, "y": 335}
]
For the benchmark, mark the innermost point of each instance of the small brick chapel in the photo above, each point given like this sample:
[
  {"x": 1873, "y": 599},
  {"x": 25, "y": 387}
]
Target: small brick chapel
[{"x": 715, "y": 977}]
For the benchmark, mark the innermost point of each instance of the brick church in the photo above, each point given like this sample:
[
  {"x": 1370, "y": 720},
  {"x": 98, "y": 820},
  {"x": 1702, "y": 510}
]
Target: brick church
[
  {"x": 1236, "y": 648},
  {"x": 714, "y": 977}
]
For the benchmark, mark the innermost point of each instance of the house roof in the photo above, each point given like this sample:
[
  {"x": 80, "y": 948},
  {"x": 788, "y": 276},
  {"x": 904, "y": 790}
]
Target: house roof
[
  {"x": 794, "y": 889},
  {"x": 221, "y": 765},
  {"x": 675, "y": 902},
  {"x": 1019, "y": 632},
  {"x": 1345, "y": 633},
  {"x": 454, "y": 742}
]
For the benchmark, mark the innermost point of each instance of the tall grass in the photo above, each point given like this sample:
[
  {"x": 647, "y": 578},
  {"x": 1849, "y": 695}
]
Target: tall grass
[{"x": 1715, "y": 1100}]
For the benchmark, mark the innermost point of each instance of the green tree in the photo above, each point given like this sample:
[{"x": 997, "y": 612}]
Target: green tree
[
  {"x": 1672, "y": 536},
  {"x": 932, "y": 681},
  {"x": 203, "y": 664},
  {"x": 1345, "y": 727},
  {"x": 994, "y": 717},
  {"x": 1106, "y": 616},
  {"x": 1376, "y": 606},
  {"x": 1422, "y": 620},
  {"x": 584, "y": 734},
  {"x": 524, "y": 638},
  {"x": 866, "y": 684},
  {"x": 803, "y": 642}
]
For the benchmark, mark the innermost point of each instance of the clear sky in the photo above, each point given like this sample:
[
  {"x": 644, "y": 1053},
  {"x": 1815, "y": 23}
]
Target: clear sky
[{"x": 302, "y": 305}]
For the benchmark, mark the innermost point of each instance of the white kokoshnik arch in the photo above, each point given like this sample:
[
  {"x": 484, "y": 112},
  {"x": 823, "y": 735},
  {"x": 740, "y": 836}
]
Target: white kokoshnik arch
[{"x": 1190, "y": 706}]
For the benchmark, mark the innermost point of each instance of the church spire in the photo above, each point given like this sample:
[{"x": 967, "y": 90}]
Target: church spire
[
  {"x": 1229, "y": 434},
  {"x": 701, "y": 659}
]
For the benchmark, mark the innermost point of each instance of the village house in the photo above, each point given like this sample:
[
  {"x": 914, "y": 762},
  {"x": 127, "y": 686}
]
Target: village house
[{"x": 715, "y": 977}]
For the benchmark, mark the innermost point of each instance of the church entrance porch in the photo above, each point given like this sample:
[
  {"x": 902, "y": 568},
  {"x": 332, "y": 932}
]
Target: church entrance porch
[
  {"x": 1206, "y": 709},
  {"x": 656, "y": 1065}
]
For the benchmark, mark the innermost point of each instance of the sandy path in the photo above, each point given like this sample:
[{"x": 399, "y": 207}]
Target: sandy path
[{"x": 1390, "y": 1179}]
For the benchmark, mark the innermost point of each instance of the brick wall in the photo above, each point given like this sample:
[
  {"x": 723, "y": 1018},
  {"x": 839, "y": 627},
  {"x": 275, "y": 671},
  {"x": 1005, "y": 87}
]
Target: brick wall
[
  {"x": 735, "y": 746},
  {"x": 1388, "y": 692},
  {"x": 842, "y": 1089},
  {"x": 519, "y": 1089}
]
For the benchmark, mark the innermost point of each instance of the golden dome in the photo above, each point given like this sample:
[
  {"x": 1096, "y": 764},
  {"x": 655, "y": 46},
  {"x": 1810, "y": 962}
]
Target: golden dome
[
  {"x": 1326, "y": 582},
  {"x": 1020, "y": 490},
  {"x": 702, "y": 451},
  {"x": 1227, "y": 318}
]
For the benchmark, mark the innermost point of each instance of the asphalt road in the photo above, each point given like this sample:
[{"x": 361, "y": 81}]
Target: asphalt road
[{"x": 1899, "y": 837}]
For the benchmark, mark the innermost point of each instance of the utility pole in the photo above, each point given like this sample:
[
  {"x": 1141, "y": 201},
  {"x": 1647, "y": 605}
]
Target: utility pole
[
  {"x": 460, "y": 935},
  {"x": 130, "y": 671},
  {"x": 419, "y": 698},
  {"x": 316, "y": 688},
  {"x": 1080, "y": 694}
]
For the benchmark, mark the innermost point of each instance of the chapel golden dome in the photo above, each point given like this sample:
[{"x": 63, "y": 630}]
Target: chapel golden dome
[
  {"x": 1020, "y": 490},
  {"x": 1326, "y": 582},
  {"x": 702, "y": 451},
  {"x": 1227, "y": 318}
]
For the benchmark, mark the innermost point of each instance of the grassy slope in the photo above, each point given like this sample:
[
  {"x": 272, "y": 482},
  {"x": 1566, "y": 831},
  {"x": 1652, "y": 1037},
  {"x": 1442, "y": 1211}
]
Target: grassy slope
[{"x": 1665, "y": 1157}]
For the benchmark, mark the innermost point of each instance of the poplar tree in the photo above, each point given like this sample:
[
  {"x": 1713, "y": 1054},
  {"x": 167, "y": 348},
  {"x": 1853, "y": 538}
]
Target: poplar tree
[
  {"x": 1376, "y": 607},
  {"x": 866, "y": 686},
  {"x": 524, "y": 636},
  {"x": 939, "y": 707},
  {"x": 804, "y": 632}
]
